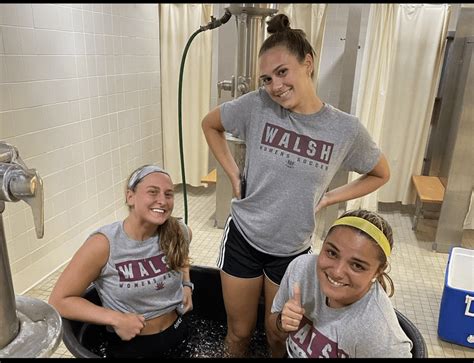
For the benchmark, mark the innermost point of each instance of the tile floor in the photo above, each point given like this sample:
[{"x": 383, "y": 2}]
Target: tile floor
[{"x": 417, "y": 271}]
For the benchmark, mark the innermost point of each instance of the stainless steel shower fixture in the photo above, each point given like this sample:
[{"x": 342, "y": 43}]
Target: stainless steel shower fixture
[
  {"x": 29, "y": 327},
  {"x": 250, "y": 21}
]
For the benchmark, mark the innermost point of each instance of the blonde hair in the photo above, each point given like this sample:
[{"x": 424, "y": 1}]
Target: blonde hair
[
  {"x": 172, "y": 239},
  {"x": 174, "y": 243},
  {"x": 386, "y": 229}
]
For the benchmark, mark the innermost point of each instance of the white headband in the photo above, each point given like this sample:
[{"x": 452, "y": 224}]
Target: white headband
[{"x": 143, "y": 172}]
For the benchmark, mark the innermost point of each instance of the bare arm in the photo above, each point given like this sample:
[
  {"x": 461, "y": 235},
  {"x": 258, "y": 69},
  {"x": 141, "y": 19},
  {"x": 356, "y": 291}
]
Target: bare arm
[
  {"x": 363, "y": 185},
  {"x": 84, "y": 268},
  {"x": 214, "y": 133},
  {"x": 187, "y": 292}
]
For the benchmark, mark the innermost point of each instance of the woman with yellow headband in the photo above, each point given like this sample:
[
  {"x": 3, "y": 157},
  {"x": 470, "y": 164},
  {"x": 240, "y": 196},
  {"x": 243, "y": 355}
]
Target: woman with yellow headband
[
  {"x": 140, "y": 269},
  {"x": 336, "y": 304}
]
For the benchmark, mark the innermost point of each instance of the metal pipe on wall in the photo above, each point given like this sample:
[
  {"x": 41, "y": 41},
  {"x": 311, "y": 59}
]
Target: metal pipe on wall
[
  {"x": 8, "y": 318},
  {"x": 16, "y": 182},
  {"x": 250, "y": 23},
  {"x": 29, "y": 327}
]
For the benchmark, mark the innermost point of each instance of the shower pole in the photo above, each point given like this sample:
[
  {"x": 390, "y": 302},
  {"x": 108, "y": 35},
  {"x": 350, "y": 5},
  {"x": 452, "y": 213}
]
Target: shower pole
[
  {"x": 9, "y": 323},
  {"x": 17, "y": 182}
]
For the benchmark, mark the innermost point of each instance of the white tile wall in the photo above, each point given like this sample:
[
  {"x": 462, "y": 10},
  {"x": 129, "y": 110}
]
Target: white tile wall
[{"x": 80, "y": 99}]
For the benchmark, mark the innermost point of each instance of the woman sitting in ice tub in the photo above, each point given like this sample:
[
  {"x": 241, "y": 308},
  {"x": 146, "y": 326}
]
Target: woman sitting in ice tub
[
  {"x": 335, "y": 304},
  {"x": 140, "y": 267}
]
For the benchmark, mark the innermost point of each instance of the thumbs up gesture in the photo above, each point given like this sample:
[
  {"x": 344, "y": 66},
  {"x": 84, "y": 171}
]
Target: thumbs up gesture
[{"x": 292, "y": 312}]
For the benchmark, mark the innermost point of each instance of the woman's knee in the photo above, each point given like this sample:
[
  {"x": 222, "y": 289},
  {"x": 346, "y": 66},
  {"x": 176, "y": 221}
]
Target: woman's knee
[
  {"x": 240, "y": 332},
  {"x": 274, "y": 336}
]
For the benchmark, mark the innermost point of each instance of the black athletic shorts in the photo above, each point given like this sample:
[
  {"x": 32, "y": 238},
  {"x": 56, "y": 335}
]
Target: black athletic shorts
[
  {"x": 238, "y": 258},
  {"x": 149, "y": 346}
]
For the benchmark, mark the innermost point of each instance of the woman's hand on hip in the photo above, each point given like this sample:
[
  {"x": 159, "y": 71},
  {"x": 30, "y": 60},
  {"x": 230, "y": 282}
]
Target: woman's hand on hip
[{"x": 323, "y": 202}]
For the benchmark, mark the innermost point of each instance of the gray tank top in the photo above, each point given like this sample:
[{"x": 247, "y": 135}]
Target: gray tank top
[{"x": 136, "y": 277}]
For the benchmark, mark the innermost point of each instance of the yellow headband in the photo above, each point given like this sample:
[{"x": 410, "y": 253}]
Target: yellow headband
[{"x": 367, "y": 227}]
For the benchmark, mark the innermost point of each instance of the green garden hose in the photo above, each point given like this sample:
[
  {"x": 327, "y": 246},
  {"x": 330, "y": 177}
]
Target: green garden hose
[{"x": 211, "y": 25}]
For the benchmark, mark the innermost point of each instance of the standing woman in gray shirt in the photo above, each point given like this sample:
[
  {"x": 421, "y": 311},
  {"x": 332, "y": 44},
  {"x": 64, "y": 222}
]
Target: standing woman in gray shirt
[
  {"x": 337, "y": 304},
  {"x": 295, "y": 144},
  {"x": 140, "y": 269}
]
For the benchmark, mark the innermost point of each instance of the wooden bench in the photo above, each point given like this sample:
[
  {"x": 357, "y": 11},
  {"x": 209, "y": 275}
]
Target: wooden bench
[
  {"x": 210, "y": 178},
  {"x": 429, "y": 189}
]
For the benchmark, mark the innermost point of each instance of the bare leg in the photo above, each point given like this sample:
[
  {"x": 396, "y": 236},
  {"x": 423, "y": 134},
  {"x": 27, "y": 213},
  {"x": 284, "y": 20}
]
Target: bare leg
[
  {"x": 275, "y": 338},
  {"x": 241, "y": 297}
]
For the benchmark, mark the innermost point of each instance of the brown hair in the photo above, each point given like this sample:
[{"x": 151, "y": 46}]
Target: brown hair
[
  {"x": 386, "y": 229},
  {"x": 294, "y": 40},
  {"x": 172, "y": 239}
]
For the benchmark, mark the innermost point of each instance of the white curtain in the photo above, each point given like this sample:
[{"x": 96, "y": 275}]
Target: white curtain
[
  {"x": 469, "y": 219},
  {"x": 400, "y": 73},
  {"x": 177, "y": 24},
  {"x": 311, "y": 18}
]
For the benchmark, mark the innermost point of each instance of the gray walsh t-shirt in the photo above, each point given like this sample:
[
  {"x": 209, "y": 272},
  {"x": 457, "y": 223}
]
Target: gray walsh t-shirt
[
  {"x": 368, "y": 328},
  {"x": 136, "y": 277},
  {"x": 290, "y": 160}
]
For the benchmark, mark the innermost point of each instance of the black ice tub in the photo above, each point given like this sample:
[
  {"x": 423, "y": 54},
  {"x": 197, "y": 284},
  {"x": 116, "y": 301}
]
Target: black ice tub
[{"x": 86, "y": 340}]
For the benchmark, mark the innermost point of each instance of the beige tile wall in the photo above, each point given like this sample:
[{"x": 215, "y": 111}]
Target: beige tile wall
[{"x": 80, "y": 99}]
